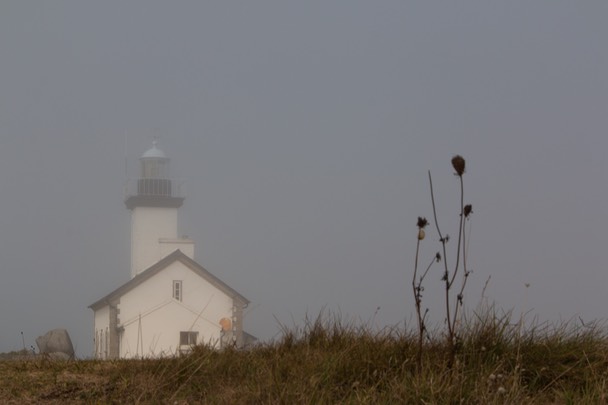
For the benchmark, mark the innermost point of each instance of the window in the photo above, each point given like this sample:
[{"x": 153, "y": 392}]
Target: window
[
  {"x": 177, "y": 289},
  {"x": 187, "y": 338}
]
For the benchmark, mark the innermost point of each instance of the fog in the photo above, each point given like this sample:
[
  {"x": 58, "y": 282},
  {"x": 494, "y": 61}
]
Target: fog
[{"x": 301, "y": 134}]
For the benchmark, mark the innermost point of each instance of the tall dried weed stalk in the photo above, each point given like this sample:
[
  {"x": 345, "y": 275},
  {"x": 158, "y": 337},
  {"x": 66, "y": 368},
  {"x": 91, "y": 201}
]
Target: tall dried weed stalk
[{"x": 454, "y": 293}]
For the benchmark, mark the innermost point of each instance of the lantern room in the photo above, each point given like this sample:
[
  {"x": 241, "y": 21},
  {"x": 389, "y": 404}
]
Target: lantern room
[{"x": 154, "y": 175}]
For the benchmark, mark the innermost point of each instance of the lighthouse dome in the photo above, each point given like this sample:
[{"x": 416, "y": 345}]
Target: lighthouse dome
[{"x": 154, "y": 152}]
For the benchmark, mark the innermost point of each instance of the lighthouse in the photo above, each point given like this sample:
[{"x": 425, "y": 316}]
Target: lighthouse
[
  {"x": 154, "y": 205},
  {"x": 171, "y": 303}
]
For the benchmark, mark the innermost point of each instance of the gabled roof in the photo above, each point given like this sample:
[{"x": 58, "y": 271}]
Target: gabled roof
[{"x": 177, "y": 255}]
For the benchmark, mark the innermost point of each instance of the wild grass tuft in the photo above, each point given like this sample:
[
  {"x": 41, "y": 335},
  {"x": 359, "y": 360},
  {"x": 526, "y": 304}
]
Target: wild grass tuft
[{"x": 327, "y": 360}]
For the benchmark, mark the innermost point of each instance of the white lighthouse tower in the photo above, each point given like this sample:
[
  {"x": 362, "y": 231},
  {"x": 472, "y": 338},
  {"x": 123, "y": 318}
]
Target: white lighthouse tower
[{"x": 154, "y": 213}]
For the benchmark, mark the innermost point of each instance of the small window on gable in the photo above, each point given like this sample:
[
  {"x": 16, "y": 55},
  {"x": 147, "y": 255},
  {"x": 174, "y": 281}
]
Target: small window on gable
[
  {"x": 188, "y": 338},
  {"x": 177, "y": 289}
]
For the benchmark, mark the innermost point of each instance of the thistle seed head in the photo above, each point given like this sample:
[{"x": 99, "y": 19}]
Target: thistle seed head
[
  {"x": 468, "y": 210},
  {"x": 422, "y": 222},
  {"x": 458, "y": 164}
]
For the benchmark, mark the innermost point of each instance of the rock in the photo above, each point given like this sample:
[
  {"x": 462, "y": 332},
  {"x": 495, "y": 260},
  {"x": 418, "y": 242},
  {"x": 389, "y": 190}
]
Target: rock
[
  {"x": 56, "y": 341},
  {"x": 59, "y": 356}
]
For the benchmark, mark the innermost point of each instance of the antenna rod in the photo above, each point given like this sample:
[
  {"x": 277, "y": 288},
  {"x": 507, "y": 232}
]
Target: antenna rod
[
  {"x": 126, "y": 169},
  {"x": 126, "y": 160}
]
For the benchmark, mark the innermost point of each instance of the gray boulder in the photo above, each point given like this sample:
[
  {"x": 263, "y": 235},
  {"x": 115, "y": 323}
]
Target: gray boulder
[
  {"x": 60, "y": 356},
  {"x": 56, "y": 341}
]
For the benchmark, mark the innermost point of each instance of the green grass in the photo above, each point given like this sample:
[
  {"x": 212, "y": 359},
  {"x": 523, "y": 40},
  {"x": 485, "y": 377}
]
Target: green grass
[{"x": 325, "y": 361}]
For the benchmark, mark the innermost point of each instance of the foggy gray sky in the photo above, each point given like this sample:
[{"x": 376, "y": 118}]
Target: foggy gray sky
[{"x": 303, "y": 132}]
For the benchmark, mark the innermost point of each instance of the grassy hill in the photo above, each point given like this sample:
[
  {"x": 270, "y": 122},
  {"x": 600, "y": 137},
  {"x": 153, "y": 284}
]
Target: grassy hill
[{"x": 328, "y": 362}]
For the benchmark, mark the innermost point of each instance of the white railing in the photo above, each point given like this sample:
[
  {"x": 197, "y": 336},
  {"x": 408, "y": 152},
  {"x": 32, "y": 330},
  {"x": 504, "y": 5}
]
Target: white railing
[{"x": 153, "y": 188}]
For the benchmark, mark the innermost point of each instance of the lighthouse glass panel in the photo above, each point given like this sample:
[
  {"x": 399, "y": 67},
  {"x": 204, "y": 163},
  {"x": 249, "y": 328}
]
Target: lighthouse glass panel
[{"x": 154, "y": 168}]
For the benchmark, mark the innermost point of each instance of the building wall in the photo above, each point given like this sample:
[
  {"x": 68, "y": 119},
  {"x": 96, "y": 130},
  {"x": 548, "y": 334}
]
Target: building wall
[
  {"x": 151, "y": 319},
  {"x": 148, "y": 225},
  {"x": 102, "y": 333},
  {"x": 168, "y": 246}
]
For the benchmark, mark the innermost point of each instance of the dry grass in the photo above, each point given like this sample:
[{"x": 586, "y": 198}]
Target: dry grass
[{"x": 325, "y": 361}]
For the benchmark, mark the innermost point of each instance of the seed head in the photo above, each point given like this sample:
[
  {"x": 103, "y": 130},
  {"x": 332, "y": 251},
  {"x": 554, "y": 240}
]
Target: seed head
[
  {"x": 468, "y": 210},
  {"x": 422, "y": 222},
  {"x": 458, "y": 163}
]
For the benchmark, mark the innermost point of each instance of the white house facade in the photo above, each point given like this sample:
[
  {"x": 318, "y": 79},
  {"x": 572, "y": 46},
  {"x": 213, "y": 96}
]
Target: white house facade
[{"x": 171, "y": 302}]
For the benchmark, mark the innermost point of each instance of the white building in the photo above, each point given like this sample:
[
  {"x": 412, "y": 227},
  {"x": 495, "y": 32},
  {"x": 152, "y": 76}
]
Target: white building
[{"x": 171, "y": 301}]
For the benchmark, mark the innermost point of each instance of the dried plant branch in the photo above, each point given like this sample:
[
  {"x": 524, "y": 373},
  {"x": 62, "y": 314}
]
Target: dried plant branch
[
  {"x": 460, "y": 232},
  {"x": 418, "y": 288},
  {"x": 466, "y": 272},
  {"x": 452, "y": 303},
  {"x": 446, "y": 273}
]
